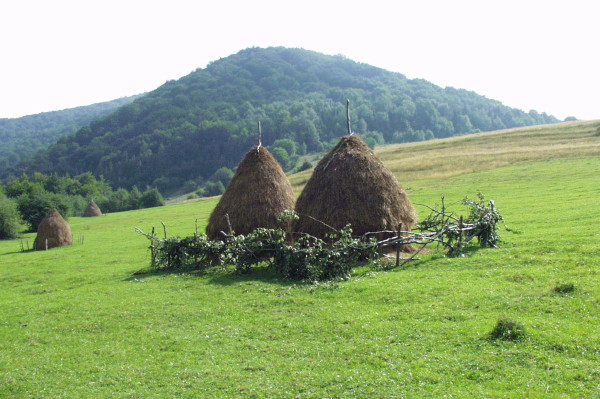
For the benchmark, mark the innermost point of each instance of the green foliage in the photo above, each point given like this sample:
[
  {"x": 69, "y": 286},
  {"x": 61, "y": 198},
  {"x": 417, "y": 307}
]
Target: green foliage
[
  {"x": 34, "y": 206},
  {"x": 213, "y": 188},
  {"x": 282, "y": 156},
  {"x": 222, "y": 175},
  {"x": 456, "y": 232},
  {"x": 151, "y": 198},
  {"x": 10, "y": 220},
  {"x": 22, "y": 137},
  {"x": 191, "y": 127},
  {"x": 38, "y": 193},
  {"x": 307, "y": 259},
  {"x": 507, "y": 330},
  {"x": 486, "y": 217},
  {"x": 305, "y": 166}
]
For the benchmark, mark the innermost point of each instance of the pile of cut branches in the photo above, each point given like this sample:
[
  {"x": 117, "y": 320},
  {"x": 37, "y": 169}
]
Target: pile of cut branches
[{"x": 310, "y": 258}]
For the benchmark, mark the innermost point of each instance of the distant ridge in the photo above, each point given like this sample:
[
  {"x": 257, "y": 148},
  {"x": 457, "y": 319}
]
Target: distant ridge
[
  {"x": 185, "y": 130},
  {"x": 22, "y": 137}
]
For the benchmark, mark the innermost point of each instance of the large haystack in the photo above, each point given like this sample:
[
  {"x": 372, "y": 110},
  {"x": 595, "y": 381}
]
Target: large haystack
[
  {"x": 53, "y": 231},
  {"x": 351, "y": 185},
  {"x": 257, "y": 194},
  {"x": 92, "y": 210}
]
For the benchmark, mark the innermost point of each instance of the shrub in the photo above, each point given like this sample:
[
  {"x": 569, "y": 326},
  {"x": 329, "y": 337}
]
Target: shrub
[
  {"x": 35, "y": 205},
  {"x": 222, "y": 175},
  {"x": 305, "y": 166},
  {"x": 151, "y": 198},
  {"x": 213, "y": 188},
  {"x": 10, "y": 220},
  {"x": 507, "y": 330}
]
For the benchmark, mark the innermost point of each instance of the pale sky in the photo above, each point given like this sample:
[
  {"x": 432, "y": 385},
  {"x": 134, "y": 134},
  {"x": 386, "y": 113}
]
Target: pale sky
[{"x": 528, "y": 54}]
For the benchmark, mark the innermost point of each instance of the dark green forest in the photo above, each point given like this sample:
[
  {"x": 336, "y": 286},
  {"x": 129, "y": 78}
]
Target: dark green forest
[
  {"x": 22, "y": 137},
  {"x": 184, "y": 131}
]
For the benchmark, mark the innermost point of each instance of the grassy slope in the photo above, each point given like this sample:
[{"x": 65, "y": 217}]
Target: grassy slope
[
  {"x": 441, "y": 159},
  {"x": 76, "y": 322}
]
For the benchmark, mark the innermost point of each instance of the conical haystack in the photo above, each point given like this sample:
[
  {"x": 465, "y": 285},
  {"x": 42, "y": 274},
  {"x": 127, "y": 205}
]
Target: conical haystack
[
  {"x": 53, "y": 231},
  {"x": 351, "y": 185},
  {"x": 92, "y": 210},
  {"x": 257, "y": 194}
]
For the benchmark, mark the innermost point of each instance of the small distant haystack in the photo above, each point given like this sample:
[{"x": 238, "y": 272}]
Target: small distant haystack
[
  {"x": 257, "y": 194},
  {"x": 351, "y": 185},
  {"x": 53, "y": 231},
  {"x": 92, "y": 210}
]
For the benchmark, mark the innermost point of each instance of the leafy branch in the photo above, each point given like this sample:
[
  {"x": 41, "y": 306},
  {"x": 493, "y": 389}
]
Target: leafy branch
[{"x": 313, "y": 259}]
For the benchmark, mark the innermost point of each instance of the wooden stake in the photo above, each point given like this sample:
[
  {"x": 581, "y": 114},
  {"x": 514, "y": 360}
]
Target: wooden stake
[
  {"x": 398, "y": 246},
  {"x": 259, "y": 138},
  {"x": 348, "y": 117},
  {"x": 229, "y": 224}
]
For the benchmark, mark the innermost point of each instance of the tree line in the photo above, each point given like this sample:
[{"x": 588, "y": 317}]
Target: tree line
[
  {"x": 22, "y": 137},
  {"x": 26, "y": 200}
]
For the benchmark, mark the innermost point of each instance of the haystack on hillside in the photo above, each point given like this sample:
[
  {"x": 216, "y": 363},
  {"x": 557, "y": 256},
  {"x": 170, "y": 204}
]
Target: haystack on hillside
[
  {"x": 54, "y": 230},
  {"x": 351, "y": 185},
  {"x": 92, "y": 210},
  {"x": 257, "y": 194}
]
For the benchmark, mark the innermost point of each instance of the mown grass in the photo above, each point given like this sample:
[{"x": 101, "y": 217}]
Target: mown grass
[{"x": 77, "y": 321}]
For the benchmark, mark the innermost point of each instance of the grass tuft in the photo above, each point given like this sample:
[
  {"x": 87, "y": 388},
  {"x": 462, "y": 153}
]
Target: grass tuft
[
  {"x": 563, "y": 288},
  {"x": 507, "y": 330}
]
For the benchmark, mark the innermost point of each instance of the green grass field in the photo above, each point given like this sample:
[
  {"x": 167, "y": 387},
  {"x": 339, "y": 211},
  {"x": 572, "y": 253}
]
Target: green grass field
[{"x": 77, "y": 322}]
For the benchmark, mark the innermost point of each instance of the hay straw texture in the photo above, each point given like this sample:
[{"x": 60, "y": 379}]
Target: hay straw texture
[
  {"x": 257, "y": 194},
  {"x": 54, "y": 229},
  {"x": 351, "y": 185},
  {"x": 92, "y": 210}
]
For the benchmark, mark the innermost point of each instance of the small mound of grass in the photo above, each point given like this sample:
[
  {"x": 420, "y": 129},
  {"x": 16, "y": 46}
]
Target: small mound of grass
[
  {"x": 507, "y": 330},
  {"x": 563, "y": 288}
]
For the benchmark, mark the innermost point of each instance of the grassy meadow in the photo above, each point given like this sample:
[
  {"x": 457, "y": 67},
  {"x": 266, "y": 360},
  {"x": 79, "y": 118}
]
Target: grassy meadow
[{"x": 80, "y": 322}]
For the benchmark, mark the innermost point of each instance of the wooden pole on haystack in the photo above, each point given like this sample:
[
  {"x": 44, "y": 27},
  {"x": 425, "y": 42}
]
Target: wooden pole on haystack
[
  {"x": 348, "y": 117},
  {"x": 259, "y": 138}
]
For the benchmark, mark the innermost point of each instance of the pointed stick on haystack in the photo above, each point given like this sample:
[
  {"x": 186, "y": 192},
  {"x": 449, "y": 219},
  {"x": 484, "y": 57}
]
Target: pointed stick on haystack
[
  {"x": 259, "y": 138},
  {"x": 348, "y": 117}
]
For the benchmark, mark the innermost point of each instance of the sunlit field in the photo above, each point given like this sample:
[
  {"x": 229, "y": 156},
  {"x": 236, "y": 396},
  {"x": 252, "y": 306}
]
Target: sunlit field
[{"x": 90, "y": 320}]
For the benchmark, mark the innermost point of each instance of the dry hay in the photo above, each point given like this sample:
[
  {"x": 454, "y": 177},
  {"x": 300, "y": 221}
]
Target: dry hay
[
  {"x": 350, "y": 185},
  {"x": 257, "y": 194},
  {"x": 54, "y": 230},
  {"x": 92, "y": 210}
]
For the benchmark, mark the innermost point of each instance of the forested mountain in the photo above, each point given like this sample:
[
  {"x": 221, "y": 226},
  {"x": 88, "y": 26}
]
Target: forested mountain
[
  {"x": 187, "y": 129},
  {"x": 22, "y": 137}
]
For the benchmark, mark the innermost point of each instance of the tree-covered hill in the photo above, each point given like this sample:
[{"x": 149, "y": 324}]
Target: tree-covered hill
[
  {"x": 22, "y": 137},
  {"x": 187, "y": 129}
]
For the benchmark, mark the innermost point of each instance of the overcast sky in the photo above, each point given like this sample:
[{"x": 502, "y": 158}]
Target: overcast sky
[{"x": 528, "y": 54}]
